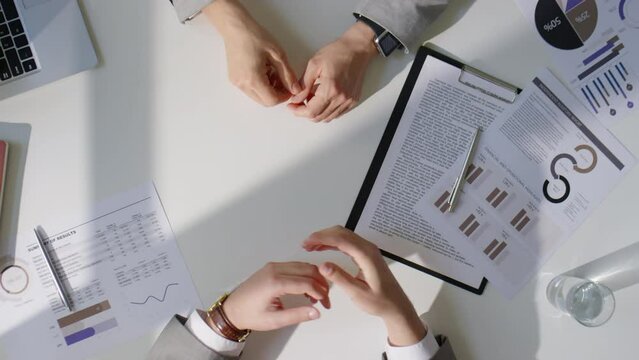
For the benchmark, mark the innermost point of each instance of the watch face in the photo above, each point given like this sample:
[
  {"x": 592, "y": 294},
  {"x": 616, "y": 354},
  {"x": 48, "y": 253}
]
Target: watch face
[{"x": 387, "y": 44}]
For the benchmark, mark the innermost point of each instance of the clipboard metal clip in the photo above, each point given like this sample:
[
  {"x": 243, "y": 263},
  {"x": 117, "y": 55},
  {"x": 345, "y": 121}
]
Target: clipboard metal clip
[{"x": 488, "y": 84}]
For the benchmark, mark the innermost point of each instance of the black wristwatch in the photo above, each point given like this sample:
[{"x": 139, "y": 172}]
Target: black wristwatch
[{"x": 385, "y": 42}]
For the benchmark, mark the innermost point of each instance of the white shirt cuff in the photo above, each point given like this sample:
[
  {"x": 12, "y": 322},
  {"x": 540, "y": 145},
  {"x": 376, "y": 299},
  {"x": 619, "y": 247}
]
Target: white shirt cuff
[
  {"x": 425, "y": 349},
  {"x": 201, "y": 330}
]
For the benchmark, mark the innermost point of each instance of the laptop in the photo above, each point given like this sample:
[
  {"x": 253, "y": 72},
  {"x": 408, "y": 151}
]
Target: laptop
[{"x": 41, "y": 41}]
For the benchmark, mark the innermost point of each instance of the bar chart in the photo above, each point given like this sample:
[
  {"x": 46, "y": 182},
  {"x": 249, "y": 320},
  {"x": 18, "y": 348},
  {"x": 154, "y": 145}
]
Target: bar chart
[
  {"x": 469, "y": 226},
  {"x": 88, "y": 322},
  {"x": 520, "y": 221},
  {"x": 476, "y": 175},
  {"x": 442, "y": 202},
  {"x": 497, "y": 197},
  {"x": 605, "y": 78},
  {"x": 494, "y": 249}
]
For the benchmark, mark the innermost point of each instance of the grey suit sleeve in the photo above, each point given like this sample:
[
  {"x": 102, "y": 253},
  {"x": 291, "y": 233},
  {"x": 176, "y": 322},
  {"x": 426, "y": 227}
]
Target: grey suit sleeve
[
  {"x": 176, "y": 342},
  {"x": 405, "y": 19},
  {"x": 445, "y": 351},
  {"x": 188, "y": 9}
]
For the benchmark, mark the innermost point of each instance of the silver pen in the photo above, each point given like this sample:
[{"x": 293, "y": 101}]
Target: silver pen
[
  {"x": 459, "y": 182},
  {"x": 66, "y": 301}
]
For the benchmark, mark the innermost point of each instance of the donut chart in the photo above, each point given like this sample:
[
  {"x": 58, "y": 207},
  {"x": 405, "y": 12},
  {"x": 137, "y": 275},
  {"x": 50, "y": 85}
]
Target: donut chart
[
  {"x": 566, "y": 24},
  {"x": 629, "y": 13}
]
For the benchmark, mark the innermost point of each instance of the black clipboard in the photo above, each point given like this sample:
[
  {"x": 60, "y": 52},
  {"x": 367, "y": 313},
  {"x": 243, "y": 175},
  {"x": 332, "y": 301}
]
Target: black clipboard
[{"x": 387, "y": 139}]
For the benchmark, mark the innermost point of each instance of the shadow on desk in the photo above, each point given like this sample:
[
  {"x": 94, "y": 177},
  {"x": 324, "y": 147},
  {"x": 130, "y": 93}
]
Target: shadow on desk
[
  {"x": 300, "y": 44},
  {"x": 270, "y": 223},
  {"x": 487, "y": 324},
  {"x": 617, "y": 270}
]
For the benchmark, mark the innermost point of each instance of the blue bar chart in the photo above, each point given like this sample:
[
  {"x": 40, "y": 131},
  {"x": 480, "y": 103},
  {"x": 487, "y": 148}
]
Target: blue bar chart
[{"x": 88, "y": 322}]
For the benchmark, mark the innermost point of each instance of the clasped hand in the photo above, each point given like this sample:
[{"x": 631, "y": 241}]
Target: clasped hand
[
  {"x": 257, "y": 65},
  {"x": 256, "y": 304}
]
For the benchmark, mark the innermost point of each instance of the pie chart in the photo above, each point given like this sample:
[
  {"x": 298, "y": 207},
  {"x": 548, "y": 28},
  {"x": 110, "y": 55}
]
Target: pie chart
[{"x": 566, "y": 24}]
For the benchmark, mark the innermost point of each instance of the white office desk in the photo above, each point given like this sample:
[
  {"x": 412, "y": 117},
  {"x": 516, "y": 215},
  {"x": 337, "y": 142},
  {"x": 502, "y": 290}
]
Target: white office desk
[{"x": 243, "y": 185}]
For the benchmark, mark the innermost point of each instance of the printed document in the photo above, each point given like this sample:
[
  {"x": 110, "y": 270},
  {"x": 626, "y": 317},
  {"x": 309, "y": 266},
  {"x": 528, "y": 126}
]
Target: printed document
[
  {"x": 595, "y": 46},
  {"x": 125, "y": 274},
  {"x": 538, "y": 173},
  {"x": 426, "y": 143}
]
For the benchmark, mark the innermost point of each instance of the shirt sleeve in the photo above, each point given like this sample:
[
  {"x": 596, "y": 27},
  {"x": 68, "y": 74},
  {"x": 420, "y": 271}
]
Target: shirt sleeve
[
  {"x": 406, "y": 20},
  {"x": 425, "y": 349},
  {"x": 199, "y": 328},
  {"x": 188, "y": 9}
]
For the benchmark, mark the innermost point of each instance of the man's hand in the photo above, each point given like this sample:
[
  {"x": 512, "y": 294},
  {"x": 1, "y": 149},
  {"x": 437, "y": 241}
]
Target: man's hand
[
  {"x": 256, "y": 63},
  {"x": 332, "y": 82},
  {"x": 256, "y": 303},
  {"x": 374, "y": 290}
]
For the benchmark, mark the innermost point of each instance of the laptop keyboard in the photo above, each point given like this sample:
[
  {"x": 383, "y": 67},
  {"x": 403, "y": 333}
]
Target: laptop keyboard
[{"x": 16, "y": 53}]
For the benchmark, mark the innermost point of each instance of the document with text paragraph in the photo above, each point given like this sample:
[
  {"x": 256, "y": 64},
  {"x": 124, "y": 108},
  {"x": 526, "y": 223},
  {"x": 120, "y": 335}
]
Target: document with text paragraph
[
  {"x": 429, "y": 137},
  {"x": 538, "y": 173}
]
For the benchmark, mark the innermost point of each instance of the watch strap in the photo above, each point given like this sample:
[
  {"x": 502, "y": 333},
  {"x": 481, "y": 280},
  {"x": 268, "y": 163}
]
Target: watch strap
[
  {"x": 385, "y": 42},
  {"x": 216, "y": 317}
]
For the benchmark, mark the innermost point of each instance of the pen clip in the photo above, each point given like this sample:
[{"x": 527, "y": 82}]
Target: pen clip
[
  {"x": 481, "y": 81},
  {"x": 57, "y": 280}
]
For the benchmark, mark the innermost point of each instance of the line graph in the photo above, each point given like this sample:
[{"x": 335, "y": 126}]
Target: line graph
[{"x": 166, "y": 289}]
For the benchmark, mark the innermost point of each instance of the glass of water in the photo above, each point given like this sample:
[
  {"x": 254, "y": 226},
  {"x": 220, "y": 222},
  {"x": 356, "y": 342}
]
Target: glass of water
[{"x": 590, "y": 303}]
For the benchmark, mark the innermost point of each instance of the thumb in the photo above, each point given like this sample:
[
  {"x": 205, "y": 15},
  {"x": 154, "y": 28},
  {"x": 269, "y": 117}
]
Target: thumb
[
  {"x": 287, "y": 75},
  {"x": 308, "y": 81},
  {"x": 293, "y": 316},
  {"x": 341, "y": 278}
]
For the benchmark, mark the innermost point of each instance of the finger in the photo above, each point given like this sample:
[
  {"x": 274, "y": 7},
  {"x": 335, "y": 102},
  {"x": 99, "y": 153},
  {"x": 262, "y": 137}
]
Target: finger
[
  {"x": 299, "y": 268},
  {"x": 342, "y": 279},
  {"x": 293, "y": 106},
  {"x": 267, "y": 93},
  {"x": 252, "y": 94},
  {"x": 335, "y": 103},
  {"x": 311, "y": 74},
  {"x": 363, "y": 252},
  {"x": 318, "y": 247},
  {"x": 282, "y": 318},
  {"x": 343, "y": 109},
  {"x": 314, "y": 107},
  {"x": 326, "y": 303},
  {"x": 352, "y": 106},
  {"x": 286, "y": 74},
  {"x": 300, "y": 285},
  {"x": 334, "y": 237}
]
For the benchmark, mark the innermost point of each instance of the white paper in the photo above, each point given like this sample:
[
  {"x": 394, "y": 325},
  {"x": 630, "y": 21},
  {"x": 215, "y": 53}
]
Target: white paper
[
  {"x": 538, "y": 173},
  {"x": 435, "y": 129},
  {"x": 595, "y": 46},
  {"x": 124, "y": 268}
]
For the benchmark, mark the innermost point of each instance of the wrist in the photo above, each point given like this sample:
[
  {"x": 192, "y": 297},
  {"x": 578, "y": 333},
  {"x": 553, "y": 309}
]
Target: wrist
[
  {"x": 217, "y": 319},
  {"x": 233, "y": 313},
  {"x": 404, "y": 328},
  {"x": 361, "y": 38},
  {"x": 228, "y": 16}
]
